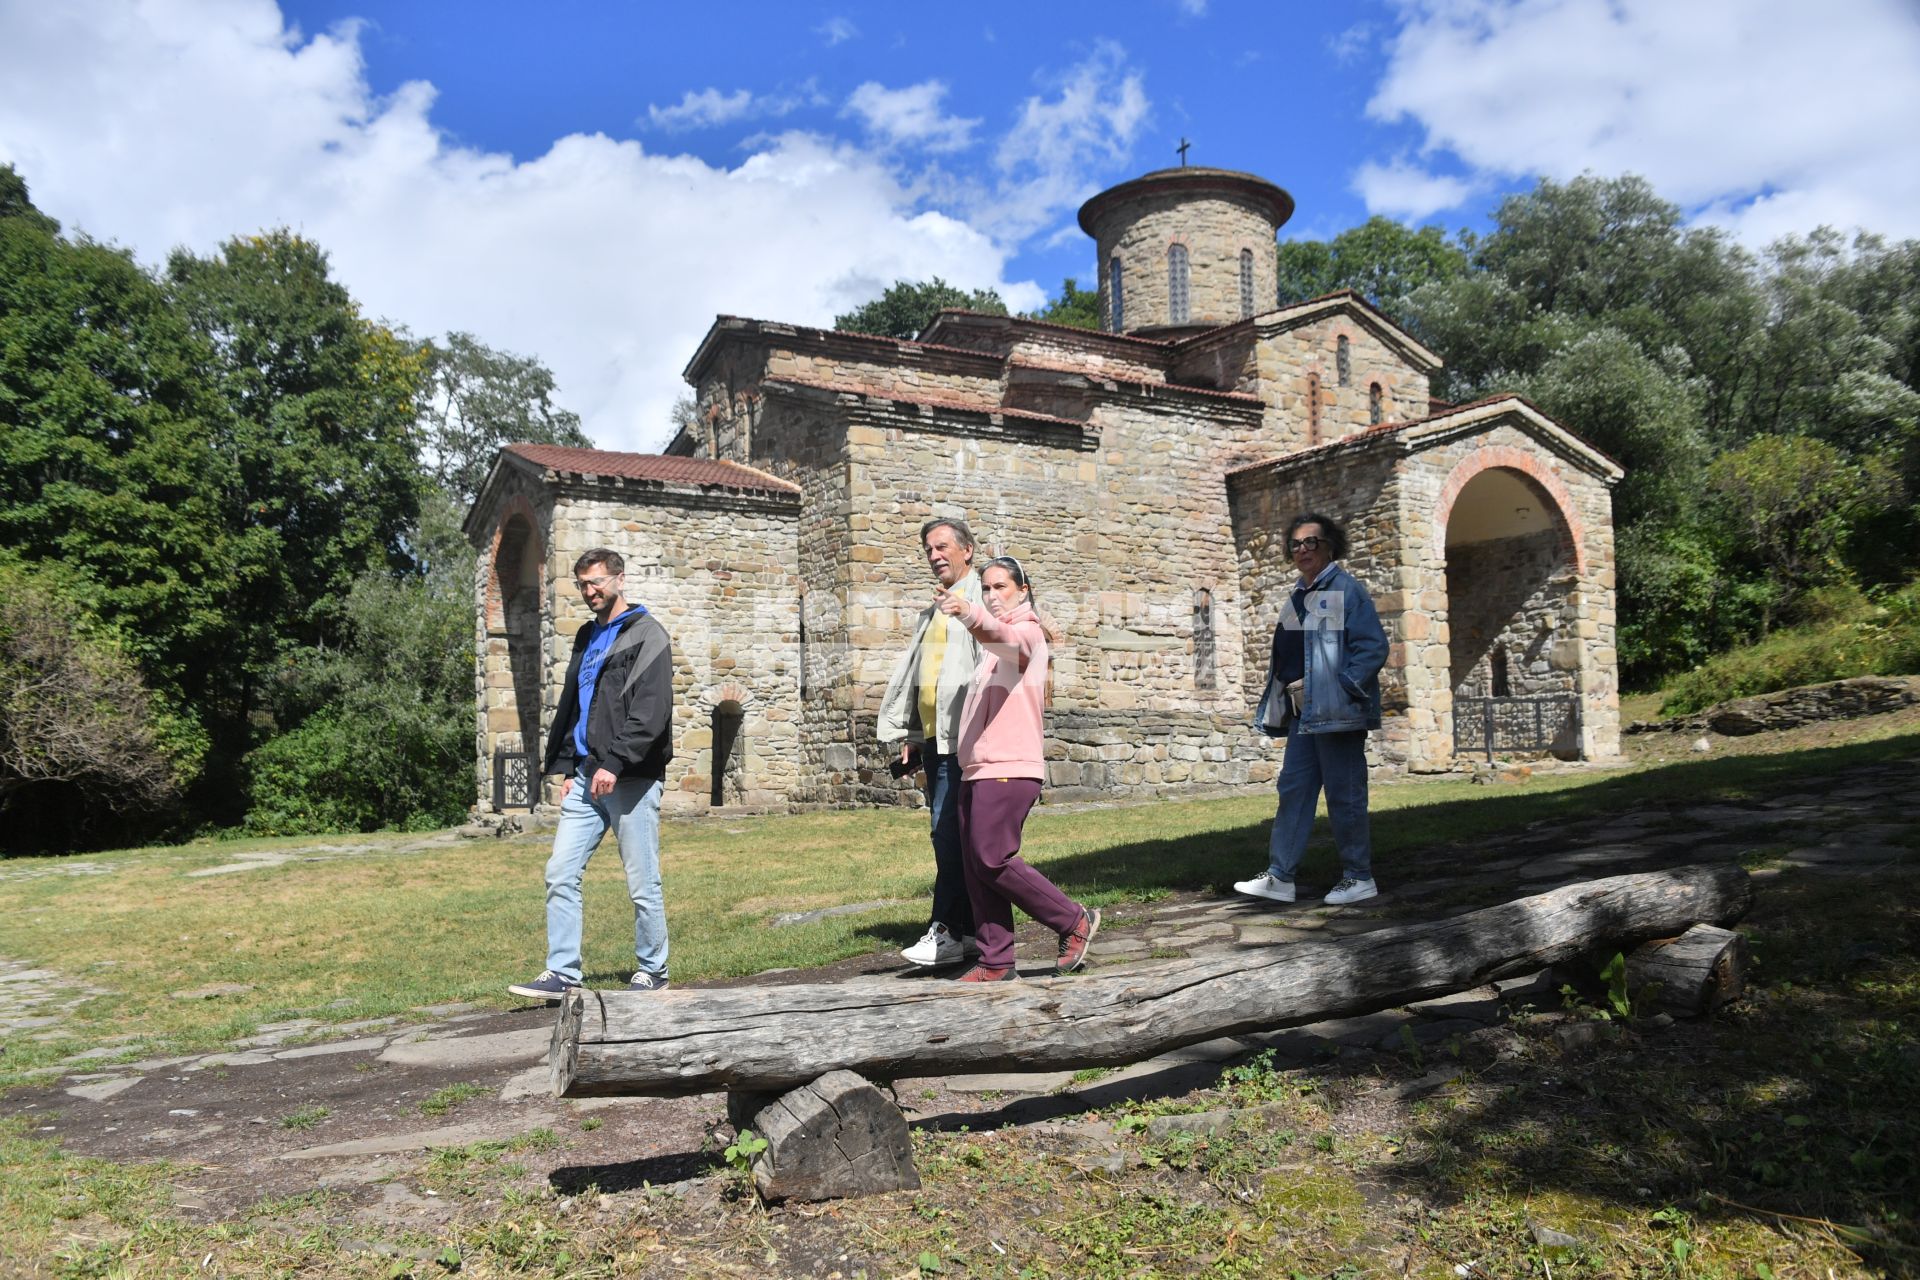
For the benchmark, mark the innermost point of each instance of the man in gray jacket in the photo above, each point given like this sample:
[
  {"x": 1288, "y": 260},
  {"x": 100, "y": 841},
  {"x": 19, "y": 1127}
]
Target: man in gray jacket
[
  {"x": 921, "y": 712},
  {"x": 613, "y": 735}
]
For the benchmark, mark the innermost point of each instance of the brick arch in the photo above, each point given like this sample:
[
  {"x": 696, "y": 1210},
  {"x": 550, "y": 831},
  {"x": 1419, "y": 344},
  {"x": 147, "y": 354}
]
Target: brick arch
[
  {"x": 728, "y": 691},
  {"x": 516, "y": 505},
  {"x": 1488, "y": 457}
]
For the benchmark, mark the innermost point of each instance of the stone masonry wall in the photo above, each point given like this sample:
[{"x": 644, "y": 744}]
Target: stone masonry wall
[
  {"x": 1358, "y": 488},
  {"x": 512, "y": 627},
  {"x": 1584, "y": 641},
  {"x": 1285, "y": 358},
  {"x": 1215, "y": 227},
  {"x": 1508, "y": 594}
]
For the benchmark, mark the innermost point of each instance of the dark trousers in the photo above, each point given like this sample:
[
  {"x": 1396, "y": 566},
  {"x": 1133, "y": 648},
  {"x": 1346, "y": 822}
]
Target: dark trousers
[
  {"x": 992, "y": 812},
  {"x": 951, "y": 906}
]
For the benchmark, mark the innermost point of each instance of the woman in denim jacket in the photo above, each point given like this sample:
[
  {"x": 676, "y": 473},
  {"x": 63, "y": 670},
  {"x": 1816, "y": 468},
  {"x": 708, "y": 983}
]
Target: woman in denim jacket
[{"x": 1323, "y": 694}]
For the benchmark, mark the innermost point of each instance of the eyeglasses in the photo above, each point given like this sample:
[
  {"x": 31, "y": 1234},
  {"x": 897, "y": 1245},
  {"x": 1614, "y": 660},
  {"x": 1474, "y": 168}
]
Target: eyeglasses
[
  {"x": 595, "y": 583},
  {"x": 1308, "y": 543}
]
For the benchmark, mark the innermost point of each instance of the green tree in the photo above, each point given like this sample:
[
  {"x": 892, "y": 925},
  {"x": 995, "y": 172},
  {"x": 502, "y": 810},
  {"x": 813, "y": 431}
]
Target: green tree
[
  {"x": 479, "y": 400},
  {"x": 1075, "y": 306},
  {"x": 108, "y": 468},
  {"x": 907, "y": 308},
  {"x": 84, "y": 745},
  {"x": 1793, "y": 501},
  {"x": 382, "y": 732},
  {"x": 1382, "y": 260}
]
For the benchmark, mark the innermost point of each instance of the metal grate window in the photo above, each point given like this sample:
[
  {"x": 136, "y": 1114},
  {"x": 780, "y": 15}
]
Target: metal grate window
[
  {"x": 1116, "y": 297},
  {"x": 1177, "y": 284},
  {"x": 1343, "y": 359},
  {"x": 1246, "y": 283}
]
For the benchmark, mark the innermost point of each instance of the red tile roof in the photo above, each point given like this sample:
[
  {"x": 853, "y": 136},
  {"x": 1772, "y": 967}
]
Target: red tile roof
[
  {"x": 661, "y": 468},
  {"x": 920, "y": 398}
]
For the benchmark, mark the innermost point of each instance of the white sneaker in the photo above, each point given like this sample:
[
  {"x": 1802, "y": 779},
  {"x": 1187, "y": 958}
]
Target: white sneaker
[
  {"x": 1351, "y": 890},
  {"x": 1266, "y": 885},
  {"x": 938, "y": 946}
]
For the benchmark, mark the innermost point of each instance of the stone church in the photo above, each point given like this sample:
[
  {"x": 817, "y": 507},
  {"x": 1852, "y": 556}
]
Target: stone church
[{"x": 1143, "y": 474}]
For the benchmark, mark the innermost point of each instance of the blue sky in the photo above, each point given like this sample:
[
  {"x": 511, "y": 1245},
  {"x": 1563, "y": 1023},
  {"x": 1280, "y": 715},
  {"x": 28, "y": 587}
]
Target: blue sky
[{"x": 592, "y": 183}]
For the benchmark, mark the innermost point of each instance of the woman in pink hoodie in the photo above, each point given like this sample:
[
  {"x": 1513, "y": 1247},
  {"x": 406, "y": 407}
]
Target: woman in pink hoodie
[{"x": 1001, "y": 766}]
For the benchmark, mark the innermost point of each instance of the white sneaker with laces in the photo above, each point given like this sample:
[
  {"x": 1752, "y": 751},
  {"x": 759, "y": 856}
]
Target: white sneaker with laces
[
  {"x": 937, "y": 946},
  {"x": 1266, "y": 885},
  {"x": 1351, "y": 890}
]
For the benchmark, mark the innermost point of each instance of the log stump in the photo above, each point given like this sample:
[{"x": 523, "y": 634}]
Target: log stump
[
  {"x": 832, "y": 1139},
  {"x": 1691, "y": 975}
]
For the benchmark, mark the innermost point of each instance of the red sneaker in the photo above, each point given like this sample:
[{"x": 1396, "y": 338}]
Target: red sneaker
[
  {"x": 1073, "y": 946},
  {"x": 981, "y": 973}
]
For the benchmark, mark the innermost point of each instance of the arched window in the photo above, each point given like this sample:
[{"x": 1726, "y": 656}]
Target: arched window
[
  {"x": 1343, "y": 359},
  {"x": 1176, "y": 284},
  {"x": 1313, "y": 409},
  {"x": 1203, "y": 657},
  {"x": 1117, "y": 317},
  {"x": 1376, "y": 404},
  {"x": 1246, "y": 283},
  {"x": 1497, "y": 670}
]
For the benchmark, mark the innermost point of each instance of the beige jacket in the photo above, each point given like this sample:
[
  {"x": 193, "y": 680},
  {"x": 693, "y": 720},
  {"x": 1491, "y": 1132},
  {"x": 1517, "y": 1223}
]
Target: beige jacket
[{"x": 900, "y": 706}]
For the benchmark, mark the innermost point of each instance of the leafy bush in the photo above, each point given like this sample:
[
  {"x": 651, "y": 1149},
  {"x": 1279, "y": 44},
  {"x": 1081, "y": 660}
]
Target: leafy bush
[
  {"x": 1845, "y": 633},
  {"x": 382, "y": 734}
]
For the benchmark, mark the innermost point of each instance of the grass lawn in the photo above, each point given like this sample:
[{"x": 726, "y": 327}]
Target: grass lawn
[{"x": 365, "y": 926}]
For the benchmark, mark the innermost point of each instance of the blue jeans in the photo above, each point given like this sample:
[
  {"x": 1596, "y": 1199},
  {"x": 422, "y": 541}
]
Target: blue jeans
[
  {"x": 632, "y": 809},
  {"x": 951, "y": 906},
  {"x": 1337, "y": 761}
]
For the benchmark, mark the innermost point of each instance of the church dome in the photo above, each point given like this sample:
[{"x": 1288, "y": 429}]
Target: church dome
[{"x": 1186, "y": 249}]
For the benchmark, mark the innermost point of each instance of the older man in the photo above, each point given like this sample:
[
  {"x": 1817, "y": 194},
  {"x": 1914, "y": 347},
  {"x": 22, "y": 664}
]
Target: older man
[
  {"x": 921, "y": 711},
  {"x": 1323, "y": 694}
]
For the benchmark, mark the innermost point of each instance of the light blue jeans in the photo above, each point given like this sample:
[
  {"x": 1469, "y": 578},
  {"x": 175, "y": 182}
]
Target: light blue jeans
[
  {"x": 1337, "y": 761},
  {"x": 632, "y": 809}
]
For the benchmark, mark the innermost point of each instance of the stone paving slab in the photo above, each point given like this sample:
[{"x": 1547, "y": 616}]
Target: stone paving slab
[
  {"x": 498, "y": 1129},
  {"x": 526, "y": 1045},
  {"x": 104, "y": 1089},
  {"x": 366, "y": 1044}
]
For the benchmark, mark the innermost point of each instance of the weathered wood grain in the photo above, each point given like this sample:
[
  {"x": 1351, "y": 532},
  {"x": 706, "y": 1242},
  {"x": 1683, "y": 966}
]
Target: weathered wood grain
[
  {"x": 779, "y": 1037},
  {"x": 1690, "y": 975},
  {"x": 835, "y": 1137}
]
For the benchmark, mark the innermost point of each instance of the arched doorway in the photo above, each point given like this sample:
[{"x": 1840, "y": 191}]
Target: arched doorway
[
  {"x": 729, "y": 768},
  {"x": 513, "y": 666},
  {"x": 1511, "y": 578}
]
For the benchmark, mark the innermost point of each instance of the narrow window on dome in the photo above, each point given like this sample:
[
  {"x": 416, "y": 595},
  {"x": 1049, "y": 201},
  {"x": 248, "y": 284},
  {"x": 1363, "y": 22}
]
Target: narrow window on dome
[
  {"x": 1246, "y": 283},
  {"x": 1117, "y": 321},
  {"x": 1177, "y": 284}
]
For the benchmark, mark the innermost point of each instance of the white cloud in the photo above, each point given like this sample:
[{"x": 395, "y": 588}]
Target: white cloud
[
  {"x": 183, "y": 122},
  {"x": 1193, "y": 8},
  {"x": 1764, "y": 115},
  {"x": 1405, "y": 190},
  {"x": 701, "y": 110},
  {"x": 1345, "y": 46},
  {"x": 1062, "y": 148},
  {"x": 910, "y": 116},
  {"x": 836, "y": 30}
]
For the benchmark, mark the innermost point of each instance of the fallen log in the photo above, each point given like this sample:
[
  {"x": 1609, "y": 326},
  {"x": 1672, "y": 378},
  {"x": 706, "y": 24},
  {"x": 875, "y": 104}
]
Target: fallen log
[
  {"x": 776, "y": 1038},
  {"x": 1690, "y": 975}
]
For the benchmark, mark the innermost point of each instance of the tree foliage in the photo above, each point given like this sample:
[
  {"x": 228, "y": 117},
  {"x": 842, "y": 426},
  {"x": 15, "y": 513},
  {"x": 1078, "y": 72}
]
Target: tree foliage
[
  {"x": 76, "y": 719},
  {"x": 479, "y": 400},
  {"x": 1075, "y": 306},
  {"x": 1380, "y": 259},
  {"x": 908, "y": 307}
]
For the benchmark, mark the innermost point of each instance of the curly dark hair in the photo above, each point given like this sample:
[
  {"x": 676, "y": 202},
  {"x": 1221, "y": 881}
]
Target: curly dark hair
[{"x": 1336, "y": 536}]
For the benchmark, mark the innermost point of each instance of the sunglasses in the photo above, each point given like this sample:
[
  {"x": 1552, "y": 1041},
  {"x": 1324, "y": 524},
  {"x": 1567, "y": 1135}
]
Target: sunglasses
[{"x": 1308, "y": 543}]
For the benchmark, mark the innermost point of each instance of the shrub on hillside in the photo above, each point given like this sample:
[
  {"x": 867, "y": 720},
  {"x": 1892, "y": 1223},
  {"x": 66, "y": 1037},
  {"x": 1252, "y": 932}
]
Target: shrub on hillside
[{"x": 1844, "y": 634}]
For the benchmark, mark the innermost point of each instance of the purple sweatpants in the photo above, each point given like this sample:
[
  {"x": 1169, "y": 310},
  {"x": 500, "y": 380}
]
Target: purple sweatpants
[{"x": 992, "y": 811}]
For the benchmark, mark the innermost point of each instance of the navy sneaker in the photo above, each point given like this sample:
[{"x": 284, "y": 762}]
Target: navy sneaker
[
  {"x": 644, "y": 981},
  {"x": 548, "y": 986}
]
